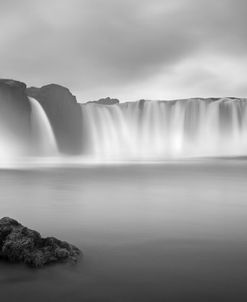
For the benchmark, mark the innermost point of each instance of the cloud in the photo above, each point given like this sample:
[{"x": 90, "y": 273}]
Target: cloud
[{"x": 100, "y": 47}]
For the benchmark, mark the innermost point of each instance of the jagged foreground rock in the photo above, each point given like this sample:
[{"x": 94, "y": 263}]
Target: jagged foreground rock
[{"x": 20, "y": 244}]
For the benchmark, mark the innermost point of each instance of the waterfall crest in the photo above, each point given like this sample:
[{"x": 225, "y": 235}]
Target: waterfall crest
[
  {"x": 42, "y": 132},
  {"x": 166, "y": 129}
]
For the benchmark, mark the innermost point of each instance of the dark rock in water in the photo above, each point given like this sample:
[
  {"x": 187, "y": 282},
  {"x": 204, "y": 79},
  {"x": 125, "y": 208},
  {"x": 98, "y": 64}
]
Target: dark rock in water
[
  {"x": 15, "y": 112},
  {"x": 20, "y": 244},
  {"x": 105, "y": 101},
  {"x": 64, "y": 114}
]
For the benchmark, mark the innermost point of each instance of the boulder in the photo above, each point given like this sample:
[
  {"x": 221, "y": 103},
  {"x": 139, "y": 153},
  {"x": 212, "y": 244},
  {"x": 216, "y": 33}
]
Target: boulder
[
  {"x": 20, "y": 244},
  {"x": 64, "y": 114}
]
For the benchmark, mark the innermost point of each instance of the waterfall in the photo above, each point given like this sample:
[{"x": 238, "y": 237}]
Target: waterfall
[
  {"x": 45, "y": 141},
  {"x": 166, "y": 129}
]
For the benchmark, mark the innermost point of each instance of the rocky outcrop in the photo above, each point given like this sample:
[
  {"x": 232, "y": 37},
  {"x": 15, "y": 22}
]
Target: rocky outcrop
[
  {"x": 105, "y": 101},
  {"x": 20, "y": 244},
  {"x": 15, "y": 112},
  {"x": 64, "y": 114}
]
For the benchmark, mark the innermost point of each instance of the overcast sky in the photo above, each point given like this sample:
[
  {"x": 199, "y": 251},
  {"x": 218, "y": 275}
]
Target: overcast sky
[{"x": 129, "y": 49}]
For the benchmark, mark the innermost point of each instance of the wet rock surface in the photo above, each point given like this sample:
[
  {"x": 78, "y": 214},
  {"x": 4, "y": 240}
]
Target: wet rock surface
[
  {"x": 20, "y": 244},
  {"x": 15, "y": 113}
]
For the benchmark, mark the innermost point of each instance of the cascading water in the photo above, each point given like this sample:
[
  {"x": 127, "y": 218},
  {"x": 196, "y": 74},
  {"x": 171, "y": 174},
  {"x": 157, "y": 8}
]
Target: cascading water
[
  {"x": 163, "y": 129},
  {"x": 45, "y": 141}
]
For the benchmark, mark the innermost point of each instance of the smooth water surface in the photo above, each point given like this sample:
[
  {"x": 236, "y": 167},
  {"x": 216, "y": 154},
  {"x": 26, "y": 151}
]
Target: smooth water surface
[{"x": 157, "y": 232}]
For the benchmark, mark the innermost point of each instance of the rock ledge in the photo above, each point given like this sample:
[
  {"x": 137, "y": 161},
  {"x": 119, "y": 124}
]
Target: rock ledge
[{"x": 20, "y": 244}]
